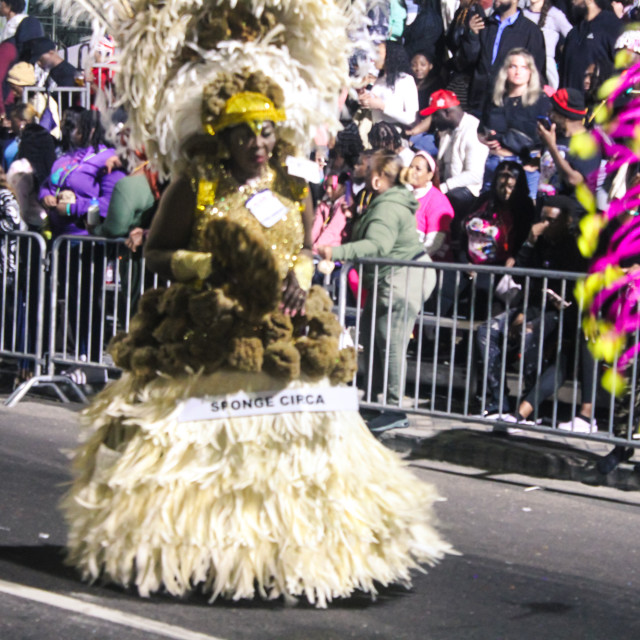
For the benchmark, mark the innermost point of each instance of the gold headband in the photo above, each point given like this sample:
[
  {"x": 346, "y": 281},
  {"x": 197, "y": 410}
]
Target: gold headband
[{"x": 247, "y": 107}]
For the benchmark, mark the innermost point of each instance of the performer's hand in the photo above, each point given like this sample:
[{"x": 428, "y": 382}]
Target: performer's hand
[
  {"x": 50, "y": 201},
  {"x": 293, "y": 296}
]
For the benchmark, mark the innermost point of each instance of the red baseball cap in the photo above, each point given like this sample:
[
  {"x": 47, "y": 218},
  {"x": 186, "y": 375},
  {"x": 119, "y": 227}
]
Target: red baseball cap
[{"x": 441, "y": 99}]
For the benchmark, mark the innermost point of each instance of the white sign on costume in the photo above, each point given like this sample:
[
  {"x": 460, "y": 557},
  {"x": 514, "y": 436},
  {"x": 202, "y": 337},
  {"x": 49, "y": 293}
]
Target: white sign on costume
[
  {"x": 266, "y": 208},
  {"x": 269, "y": 402}
]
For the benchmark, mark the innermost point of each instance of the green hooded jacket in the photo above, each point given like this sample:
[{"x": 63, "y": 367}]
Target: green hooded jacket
[{"x": 386, "y": 230}]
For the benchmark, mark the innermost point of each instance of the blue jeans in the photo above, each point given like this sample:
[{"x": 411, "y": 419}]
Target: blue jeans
[{"x": 490, "y": 340}]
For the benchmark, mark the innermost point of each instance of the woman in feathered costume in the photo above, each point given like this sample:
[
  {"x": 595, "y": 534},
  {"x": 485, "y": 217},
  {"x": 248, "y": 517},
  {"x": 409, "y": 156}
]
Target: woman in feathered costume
[{"x": 188, "y": 477}]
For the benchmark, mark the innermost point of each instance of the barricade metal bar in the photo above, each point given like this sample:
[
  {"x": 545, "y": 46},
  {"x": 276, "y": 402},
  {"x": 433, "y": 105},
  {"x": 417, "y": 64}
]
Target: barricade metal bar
[
  {"x": 385, "y": 378},
  {"x": 633, "y": 388},
  {"x": 440, "y": 279},
  {"x": 63, "y": 96},
  {"x": 5, "y": 269},
  {"x": 23, "y": 264},
  {"x": 374, "y": 300},
  {"x": 405, "y": 315},
  {"x": 540, "y": 337},
  {"x": 419, "y": 337},
  {"x": 470, "y": 351}
]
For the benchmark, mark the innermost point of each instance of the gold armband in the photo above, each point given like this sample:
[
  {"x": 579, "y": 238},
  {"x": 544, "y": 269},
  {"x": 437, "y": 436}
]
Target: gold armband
[
  {"x": 303, "y": 268},
  {"x": 191, "y": 265}
]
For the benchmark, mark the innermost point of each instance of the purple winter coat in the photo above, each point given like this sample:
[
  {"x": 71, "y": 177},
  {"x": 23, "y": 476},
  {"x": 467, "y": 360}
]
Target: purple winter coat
[{"x": 83, "y": 172}]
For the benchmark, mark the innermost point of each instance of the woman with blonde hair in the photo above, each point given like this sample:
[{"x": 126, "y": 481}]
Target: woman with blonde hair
[
  {"x": 509, "y": 119},
  {"x": 387, "y": 229}
]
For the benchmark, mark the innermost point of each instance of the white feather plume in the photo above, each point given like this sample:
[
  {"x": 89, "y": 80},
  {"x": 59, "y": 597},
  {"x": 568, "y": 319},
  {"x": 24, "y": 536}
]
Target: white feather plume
[{"x": 162, "y": 93}]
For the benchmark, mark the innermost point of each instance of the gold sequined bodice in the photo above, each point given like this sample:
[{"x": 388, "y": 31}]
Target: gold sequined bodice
[{"x": 220, "y": 195}]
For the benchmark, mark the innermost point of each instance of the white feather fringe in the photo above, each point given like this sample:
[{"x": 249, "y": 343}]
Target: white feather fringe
[
  {"x": 164, "y": 99},
  {"x": 293, "y": 504}
]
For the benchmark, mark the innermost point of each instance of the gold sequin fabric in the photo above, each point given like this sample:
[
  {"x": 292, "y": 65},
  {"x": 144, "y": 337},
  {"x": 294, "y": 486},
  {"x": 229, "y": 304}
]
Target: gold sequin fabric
[{"x": 219, "y": 194}]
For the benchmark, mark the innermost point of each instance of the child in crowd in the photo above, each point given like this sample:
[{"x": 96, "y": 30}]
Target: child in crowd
[
  {"x": 332, "y": 212},
  {"x": 435, "y": 213}
]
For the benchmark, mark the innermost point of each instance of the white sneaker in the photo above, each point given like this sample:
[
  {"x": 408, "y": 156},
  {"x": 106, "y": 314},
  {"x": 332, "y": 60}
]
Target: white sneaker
[
  {"x": 512, "y": 431},
  {"x": 578, "y": 425}
]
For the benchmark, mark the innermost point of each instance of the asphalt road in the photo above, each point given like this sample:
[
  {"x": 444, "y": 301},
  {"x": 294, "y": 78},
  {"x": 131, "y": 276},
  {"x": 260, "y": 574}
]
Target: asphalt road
[{"x": 555, "y": 561}]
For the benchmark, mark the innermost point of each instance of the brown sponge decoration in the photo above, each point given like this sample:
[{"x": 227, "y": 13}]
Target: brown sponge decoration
[
  {"x": 207, "y": 306},
  {"x": 174, "y": 358},
  {"x": 318, "y": 301},
  {"x": 345, "y": 367},
  {"x": 144, "y": 362},
  {"x": 150, "y": 300},
  {"x": 175, "y": 300},
  {"x": 121, "y": 349},
  {"x": 249, "y": 270},
  {"x": 282, "y": 360},
  {"x": 141, "y": 329},
  {"x": 324, "y": 324},
  {"x": 207, "y": 352},
  {"x": 171, "y": 329},
  {"x": 276, "y": 326},
  {"x": 246, "y": 354},
  {"x": 317, "y": 356}
]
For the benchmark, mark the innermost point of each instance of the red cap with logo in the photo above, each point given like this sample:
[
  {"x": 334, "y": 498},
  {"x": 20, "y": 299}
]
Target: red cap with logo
[{"x": 441, "y": 99}]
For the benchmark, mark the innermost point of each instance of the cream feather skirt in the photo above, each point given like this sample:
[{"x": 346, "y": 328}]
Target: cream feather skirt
[{"x": 289, "y": 504}]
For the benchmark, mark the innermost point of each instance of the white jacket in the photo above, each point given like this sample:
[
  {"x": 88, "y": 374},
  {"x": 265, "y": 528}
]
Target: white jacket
[
  {"x": 461, "y": 157},
  {"x": 400, "y": 101}
]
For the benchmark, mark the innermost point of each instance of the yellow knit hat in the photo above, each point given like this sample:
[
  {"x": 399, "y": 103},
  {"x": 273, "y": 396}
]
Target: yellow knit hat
[{"x": 22, "y": 75}]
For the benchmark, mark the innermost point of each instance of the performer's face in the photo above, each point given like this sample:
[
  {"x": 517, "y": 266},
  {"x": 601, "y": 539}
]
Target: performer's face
[{"x": 251, "y": 147}]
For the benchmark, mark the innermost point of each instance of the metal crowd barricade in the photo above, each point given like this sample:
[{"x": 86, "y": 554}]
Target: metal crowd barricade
[
  {"x": 22, "y": 277},
  {"x": 93, "y": 291},
  {"x": 95, "y": 284},
  {"x": 63, "y": 96},
  {"x": 466, "y": 355}
]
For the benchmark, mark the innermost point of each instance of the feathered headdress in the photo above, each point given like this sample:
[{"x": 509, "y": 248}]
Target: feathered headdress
[{"x": 169, "y": 50}]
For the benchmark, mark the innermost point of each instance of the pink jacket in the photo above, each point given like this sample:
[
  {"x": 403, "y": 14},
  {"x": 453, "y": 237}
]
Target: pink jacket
[{"x": 329, "y": 224}]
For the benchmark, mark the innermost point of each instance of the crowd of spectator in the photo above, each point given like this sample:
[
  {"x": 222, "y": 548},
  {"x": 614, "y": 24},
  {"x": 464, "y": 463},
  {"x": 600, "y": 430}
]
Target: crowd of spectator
[
  {"x": 60, "y": 175},
  {"x": 459, "y": 122},
  {"x": 480, "y": 102}
]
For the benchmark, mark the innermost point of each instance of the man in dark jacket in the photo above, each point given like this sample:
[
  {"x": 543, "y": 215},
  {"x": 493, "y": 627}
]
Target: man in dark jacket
[
  {"x": 487, "y": 42},
  {"x": 591, "y": 41},
  {"x": 44, "y": 52}
]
